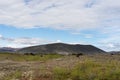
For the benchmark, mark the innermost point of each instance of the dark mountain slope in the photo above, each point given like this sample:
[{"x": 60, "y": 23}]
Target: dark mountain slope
[{"x": 62, "y": 48}]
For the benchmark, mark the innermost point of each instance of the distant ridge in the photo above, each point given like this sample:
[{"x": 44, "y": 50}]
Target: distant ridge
[
  {"x": 114, "y": 52},
  {"x": 8, "y": 49},
  {"x": 62, "y": 48}
]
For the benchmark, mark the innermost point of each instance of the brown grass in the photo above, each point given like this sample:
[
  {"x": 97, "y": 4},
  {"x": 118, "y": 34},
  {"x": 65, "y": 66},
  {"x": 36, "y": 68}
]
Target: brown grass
[{"x": 86, "y": 67}]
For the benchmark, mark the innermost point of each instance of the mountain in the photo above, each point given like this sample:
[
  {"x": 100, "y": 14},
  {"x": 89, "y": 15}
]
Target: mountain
[
  {"x": 62, "y": 48},
  {"x": 8, "y": 49}
]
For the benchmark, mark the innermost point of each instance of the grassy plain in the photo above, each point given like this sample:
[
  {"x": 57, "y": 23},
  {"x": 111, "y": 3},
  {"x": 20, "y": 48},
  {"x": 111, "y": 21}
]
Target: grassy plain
[{"x": 58, "y": 67}]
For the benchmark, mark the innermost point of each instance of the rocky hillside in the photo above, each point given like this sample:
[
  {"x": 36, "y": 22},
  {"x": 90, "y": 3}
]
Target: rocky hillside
[{"x": 61, "y": 48}]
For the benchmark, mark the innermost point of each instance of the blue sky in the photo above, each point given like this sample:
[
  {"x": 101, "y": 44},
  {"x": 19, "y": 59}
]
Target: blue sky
[{"x": 33, "y": 22}]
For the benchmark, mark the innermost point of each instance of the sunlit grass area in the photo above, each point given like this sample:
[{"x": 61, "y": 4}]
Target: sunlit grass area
[
  {"x": 58, "y": 67},
  {"x": 22, "y": 57},
  {"x": 89, "y": 70}
]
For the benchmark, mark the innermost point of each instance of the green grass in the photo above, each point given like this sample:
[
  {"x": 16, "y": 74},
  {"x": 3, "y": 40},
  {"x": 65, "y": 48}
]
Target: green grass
[
  {"x": 90, "y": 70},
  {"x": 20, "y": 57},
  {"x": 61, "y": 73}
]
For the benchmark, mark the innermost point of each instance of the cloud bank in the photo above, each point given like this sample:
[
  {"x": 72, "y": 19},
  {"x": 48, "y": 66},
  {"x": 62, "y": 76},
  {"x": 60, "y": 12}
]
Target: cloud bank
[
  {"x": 60, "y": 14},
  {"x": 23, "y": 41}
]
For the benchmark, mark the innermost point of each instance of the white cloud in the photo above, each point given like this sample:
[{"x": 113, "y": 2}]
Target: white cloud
[
  {"x": 88, "y": 36},
  {"x": 110, "y": 43},
  {"x": 29, "y": 41},
  {"x": 60, "y": 14},
  {"x": 110, "y": 46},
  {"x": 23, "y": 41},
  {"x": 58, "y": 41},
  {"x": 1, "y": 36}
]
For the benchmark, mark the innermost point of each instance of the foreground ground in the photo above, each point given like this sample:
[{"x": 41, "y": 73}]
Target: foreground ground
[{"x": 57, "y": 67}]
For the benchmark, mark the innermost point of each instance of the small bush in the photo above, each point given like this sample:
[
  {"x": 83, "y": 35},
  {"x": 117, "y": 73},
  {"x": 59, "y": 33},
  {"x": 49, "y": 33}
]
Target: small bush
[{"x": 61, "y": 73}]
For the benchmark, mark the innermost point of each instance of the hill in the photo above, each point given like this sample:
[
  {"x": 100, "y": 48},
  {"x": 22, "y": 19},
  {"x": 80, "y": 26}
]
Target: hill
[
  {"x": 62, "y": 48},
  {"x": 8, "y": 49}
]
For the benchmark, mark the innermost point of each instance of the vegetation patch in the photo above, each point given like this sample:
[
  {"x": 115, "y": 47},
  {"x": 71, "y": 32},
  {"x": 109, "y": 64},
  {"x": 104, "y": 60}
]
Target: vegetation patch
[
  {"x": 89, "y": 70},
  {"x": 21, "y": 57}
]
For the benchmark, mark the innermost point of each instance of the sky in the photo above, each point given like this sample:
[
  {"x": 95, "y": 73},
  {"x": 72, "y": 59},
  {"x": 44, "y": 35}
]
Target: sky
[{"x": 34, "y": 22}]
